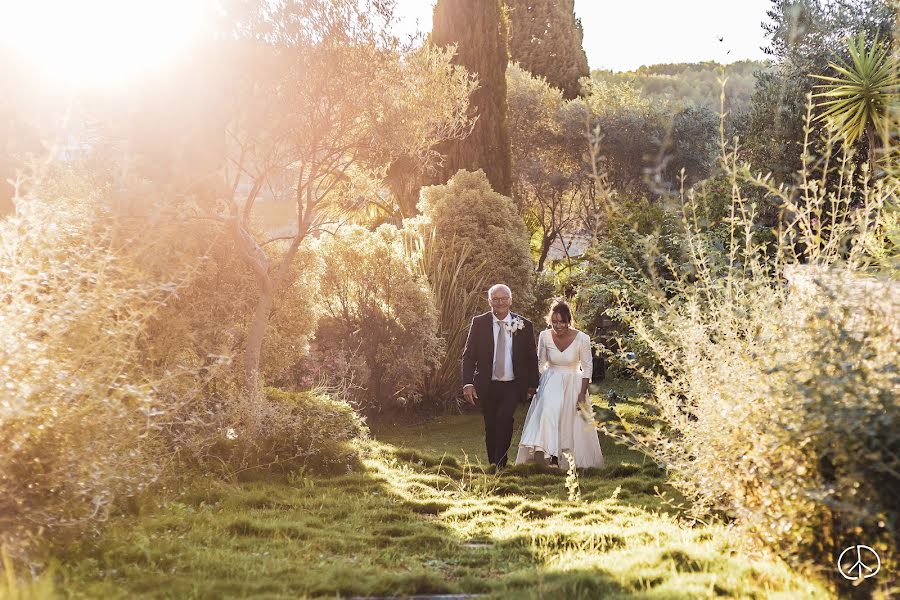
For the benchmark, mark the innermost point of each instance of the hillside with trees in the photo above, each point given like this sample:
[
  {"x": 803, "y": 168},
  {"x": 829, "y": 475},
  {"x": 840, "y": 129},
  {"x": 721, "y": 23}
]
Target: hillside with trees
[{"x": 691, "y": 84}]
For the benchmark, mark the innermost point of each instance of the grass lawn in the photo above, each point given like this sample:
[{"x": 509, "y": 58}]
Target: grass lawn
[{"x": 424, "y": 517}]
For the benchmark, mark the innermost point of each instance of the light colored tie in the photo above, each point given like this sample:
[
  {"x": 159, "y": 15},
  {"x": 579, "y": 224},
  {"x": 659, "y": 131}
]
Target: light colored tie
[{"x": 500, "y": 355}]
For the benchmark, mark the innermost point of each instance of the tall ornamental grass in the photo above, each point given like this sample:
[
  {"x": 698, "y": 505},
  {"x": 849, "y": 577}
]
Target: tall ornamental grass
[
  {"x": 775, "y": 361},
  {"x": 457, "y": 295}
]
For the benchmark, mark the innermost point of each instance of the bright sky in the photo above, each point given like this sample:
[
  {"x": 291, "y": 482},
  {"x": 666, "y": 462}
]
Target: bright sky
[
  {"x": 99, "y": 42},
  {"x": 111, "y": 42},
  {"x": 623, "y": 35}
]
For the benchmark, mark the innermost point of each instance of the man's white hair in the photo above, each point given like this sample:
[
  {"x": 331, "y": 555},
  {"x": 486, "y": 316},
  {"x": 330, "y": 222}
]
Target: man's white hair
[{"x": 499, "y": 286}]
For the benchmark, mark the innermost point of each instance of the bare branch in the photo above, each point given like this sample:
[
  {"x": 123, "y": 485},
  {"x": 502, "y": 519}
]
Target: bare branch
[{"x": 275, "y": 239}]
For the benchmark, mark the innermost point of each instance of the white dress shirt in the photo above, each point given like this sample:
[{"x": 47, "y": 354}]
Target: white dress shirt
[{"x": 498, "y": 324}]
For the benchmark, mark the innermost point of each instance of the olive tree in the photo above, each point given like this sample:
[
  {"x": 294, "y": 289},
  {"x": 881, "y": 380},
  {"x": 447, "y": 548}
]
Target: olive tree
[{"x": 326, "y": 97}]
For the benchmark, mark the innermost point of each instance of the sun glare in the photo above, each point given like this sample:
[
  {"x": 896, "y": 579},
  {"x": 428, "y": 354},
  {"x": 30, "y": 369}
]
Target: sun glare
[{"x": 99, "y": 43}]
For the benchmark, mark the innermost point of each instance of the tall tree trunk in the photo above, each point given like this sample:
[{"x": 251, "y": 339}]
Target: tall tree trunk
[
  {"x": 255, "y": 337},
  {"x": 269, "y": 286},
  {"x": 546, "y": 242},
  {"x": 479, "y": 28}
]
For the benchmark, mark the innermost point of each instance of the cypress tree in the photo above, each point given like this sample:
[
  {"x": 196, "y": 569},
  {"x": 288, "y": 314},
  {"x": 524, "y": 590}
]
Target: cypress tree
[
  {"x": 479, "y": 29},
  {"x": 546, "y": 40}
]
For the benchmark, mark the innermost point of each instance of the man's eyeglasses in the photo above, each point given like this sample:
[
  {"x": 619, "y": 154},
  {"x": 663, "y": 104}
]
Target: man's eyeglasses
[{"x": 500, "y": 299}]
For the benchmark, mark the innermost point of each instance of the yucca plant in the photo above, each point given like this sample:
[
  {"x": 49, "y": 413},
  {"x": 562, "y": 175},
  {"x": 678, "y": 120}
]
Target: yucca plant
[{"x": 859, "y": 101}]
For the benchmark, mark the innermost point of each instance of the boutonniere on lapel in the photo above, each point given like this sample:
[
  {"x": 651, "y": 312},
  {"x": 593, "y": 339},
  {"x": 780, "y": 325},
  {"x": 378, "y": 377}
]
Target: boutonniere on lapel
[{"x": 515, "y": 324}]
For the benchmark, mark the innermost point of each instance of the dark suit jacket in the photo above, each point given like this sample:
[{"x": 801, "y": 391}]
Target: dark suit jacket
[{"x": 478, "y": 355}]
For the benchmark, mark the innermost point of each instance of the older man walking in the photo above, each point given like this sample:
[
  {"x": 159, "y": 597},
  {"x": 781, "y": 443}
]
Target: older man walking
[{"x": 499, "y": 369}]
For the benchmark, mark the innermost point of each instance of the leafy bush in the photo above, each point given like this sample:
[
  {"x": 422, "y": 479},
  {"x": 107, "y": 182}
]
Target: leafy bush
[
  {"x": 119, "y": 318},
  {"x": 194, "y": 344},
  {"x": 616, "y": 263},
  {"x": 644, "y": 144},
  {"x": 379, "y": 319},
  {"x": 215, "y": 305},
  {"x": 81, "y": 423},
  {"x": 546, "y": 289},
  {"x": 308, "y": 430},
  {"x": 468, "y": 210},
  {"x": 778, "y": 381}
]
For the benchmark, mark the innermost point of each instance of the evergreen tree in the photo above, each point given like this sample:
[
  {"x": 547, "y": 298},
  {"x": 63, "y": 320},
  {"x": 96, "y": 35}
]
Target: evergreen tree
[
  {"x": 545, "y": 39},
  {"x": 479, "y": 29}
]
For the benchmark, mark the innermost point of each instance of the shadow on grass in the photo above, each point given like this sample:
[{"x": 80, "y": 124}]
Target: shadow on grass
[
  {"x": 377, "y": 532},
  {"x": 418, "y": 518},
  {"x": 347, "y": 535}
]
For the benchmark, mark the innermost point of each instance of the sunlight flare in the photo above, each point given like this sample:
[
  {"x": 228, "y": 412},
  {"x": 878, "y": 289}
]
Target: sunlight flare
[{"x": 100, "y": 43}]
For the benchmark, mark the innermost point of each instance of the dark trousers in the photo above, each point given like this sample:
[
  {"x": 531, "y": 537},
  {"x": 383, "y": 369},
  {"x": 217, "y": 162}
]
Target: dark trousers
[{"x": 498, "y": 408}]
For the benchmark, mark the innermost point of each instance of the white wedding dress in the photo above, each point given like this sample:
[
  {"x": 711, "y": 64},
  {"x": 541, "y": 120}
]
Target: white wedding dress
[{"x": 553, "y": 425}]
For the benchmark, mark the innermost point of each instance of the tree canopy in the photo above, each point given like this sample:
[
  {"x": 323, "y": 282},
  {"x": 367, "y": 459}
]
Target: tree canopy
[{"x": 545, "y": 39}]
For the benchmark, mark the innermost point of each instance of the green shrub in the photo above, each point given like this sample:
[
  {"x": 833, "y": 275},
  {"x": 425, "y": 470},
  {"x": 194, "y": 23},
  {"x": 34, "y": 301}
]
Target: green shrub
[
  {"x": 306, "y": 430},
  {"x": 615, "y": 265},
  {"x": 192, "y": 345},
  {"x": 468, "y": 210},
  {"x": 377, "y": 338},
  {"x": 120, "y": 316},
  {"x": 777, "y": 379},
  {"x": 204, "y": 325},
  {"x": 546, "y": 288}
]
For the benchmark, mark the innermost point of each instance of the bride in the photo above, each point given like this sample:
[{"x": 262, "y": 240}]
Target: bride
[{"x": 558, "y": 423}]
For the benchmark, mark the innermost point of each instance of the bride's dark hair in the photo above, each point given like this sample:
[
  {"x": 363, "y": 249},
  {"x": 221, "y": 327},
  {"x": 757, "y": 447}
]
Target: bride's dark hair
[{"x": 561, "y": 308}]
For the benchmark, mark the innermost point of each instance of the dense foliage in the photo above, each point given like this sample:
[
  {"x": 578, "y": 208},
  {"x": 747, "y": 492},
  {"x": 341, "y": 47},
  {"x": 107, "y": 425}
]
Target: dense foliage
[
  {"x": 123, "y": 324},
  {"x": 377, "y": 338},
  {"x": 618, "y": 261},
  {"x": 468, "y": 210},
  {"x": 326, "y": 98},
  {"x": 551, "y": 178},
  {"x": 643, "y": 145},
  {"x": 81, "y": 420},
  {"x": 316, "y": 433},
  {"x": 804, "y": 37},
  {"x": 545, "y": 39},
  {"x": 772, "y": 366}
]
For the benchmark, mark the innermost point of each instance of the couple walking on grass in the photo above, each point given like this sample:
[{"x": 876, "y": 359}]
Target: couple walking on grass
[{"x": 501, "y": 367}]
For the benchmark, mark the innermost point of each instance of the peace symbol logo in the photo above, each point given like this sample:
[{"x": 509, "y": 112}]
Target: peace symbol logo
[{"x": 861, "y": 568}]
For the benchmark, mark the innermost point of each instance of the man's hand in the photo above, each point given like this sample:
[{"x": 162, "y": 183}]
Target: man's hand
[
  {"x": 531, "y": 392},
  {"x": 470, "y": 394}
]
